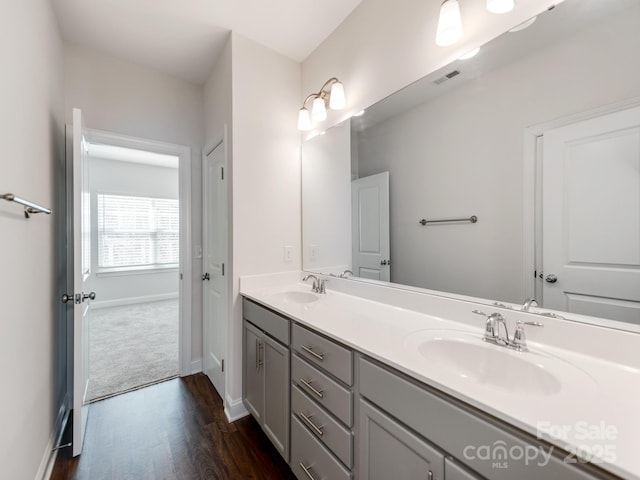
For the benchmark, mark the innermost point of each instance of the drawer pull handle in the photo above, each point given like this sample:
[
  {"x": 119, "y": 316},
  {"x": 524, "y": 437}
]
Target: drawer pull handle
[
  {"x": 307, "y": 383},
  {"x": 307, "y": 471},
  {"x": 308, "y": 421},
  {"x": 309, "y": 350},
  {"x": 430, "y": 475}
]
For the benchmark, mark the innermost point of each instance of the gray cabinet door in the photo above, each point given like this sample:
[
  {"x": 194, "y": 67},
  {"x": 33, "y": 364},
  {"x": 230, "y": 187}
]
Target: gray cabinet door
[
  {"x": 253, "y": 378},
  {"x": 275, "y": 358},
  {"x": 453, "y": 471},
  {"x": 388, "y": 450}
]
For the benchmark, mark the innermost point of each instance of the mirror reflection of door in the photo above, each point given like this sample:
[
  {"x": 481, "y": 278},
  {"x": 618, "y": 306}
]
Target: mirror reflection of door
[
  {"x": 591, "y": 217},
  {"x": 370, "y": 223}
]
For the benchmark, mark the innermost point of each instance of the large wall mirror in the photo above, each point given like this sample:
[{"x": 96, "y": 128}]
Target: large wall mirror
[{"x": 511, "y": 174}]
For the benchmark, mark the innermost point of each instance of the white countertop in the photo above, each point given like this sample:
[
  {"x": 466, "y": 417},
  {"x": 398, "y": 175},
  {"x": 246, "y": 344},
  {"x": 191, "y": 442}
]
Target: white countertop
[{"x": 597, "y": 410}]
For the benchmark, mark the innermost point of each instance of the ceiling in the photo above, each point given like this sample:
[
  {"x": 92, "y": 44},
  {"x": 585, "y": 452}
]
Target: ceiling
[{"x": 184, "y": 37}]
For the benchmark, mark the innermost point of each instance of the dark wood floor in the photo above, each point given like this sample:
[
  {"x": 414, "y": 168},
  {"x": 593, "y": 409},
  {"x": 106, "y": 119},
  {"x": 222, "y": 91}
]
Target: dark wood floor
[{"x": 173, "y": 430}]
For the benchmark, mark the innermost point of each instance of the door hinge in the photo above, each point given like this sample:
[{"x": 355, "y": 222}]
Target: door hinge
[
  {"x": 223, "y": 364},
  {"x": 223, "y": 269},
  {"x": 221, "y": 173}
]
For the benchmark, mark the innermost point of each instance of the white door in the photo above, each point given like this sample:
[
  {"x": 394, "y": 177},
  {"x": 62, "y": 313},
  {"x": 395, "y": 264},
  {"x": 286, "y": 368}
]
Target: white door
[
  {"x": 214, "y": 290},
  {"x": 77, "y": 300},
  {"x": 591, "y": 217},
  {"x": 370, "y": 225}
]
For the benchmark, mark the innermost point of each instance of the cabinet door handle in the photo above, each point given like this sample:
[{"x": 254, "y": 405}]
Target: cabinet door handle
[
  {"x": 309, "y": 350},
  {"x": 307, "y": 471},
  {"x": 430, "y": 475},
  {"x": 307, "y": 383},
  {"x": 308, "y": 421},
  {"x": 257, "y": 356}
]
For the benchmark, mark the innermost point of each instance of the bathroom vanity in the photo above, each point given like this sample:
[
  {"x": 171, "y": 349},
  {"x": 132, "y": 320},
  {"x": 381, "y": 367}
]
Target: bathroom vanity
[{"x": 365, "y": 389}]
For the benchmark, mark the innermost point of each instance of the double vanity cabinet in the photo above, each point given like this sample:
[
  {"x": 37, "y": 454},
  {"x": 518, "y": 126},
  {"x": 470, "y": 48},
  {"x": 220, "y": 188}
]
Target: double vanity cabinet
[{"x": 336, "y": 414}]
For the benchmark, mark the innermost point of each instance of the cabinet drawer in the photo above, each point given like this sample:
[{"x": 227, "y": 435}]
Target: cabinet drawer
[
  {"x": 310, "y": 459},
  {"x": 323, "y": 426},
  {"x": 436, "y": 417},
  {"x": 266, "y": 320},
  {"x": 335, "y": 359},
  {"x": 325, "y": 391}
]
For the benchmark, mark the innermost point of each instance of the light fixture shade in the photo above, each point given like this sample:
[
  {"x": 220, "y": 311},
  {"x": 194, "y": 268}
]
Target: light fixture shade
[
  {"x": 304, "y": 120},
  {"x": 500, "y": 6},
  {"x": 449, "y": 24},
  {"x": 318, "y": 111},
  {"x": 337, "y": 100}
]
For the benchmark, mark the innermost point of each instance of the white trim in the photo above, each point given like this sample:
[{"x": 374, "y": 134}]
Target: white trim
[
  {"x": 531, "y": 179},
  {"x": 234, "y": 409},
  {"x": 196, "y": 367},
  {"x": 51, "y": 453},
  {"x": 184, "y": 196},
  {"x": 144, "y": 270},
  {"x": 119, "y": 302}
]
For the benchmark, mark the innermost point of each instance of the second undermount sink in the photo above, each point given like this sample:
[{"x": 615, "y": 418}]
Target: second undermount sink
[
  {"x": 468, "y": 359},
  {"x": 295, "y": 296}
]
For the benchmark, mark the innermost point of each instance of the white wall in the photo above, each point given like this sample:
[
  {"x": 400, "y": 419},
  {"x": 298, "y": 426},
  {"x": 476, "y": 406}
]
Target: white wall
[
  {"x": 121, "y": 97},
  {"x": 125, "y": 178},
  {"x": 444, "y": 164},
  {"x": 326, "y": 198},
  {"x": 265, "y": 166},
  {"x": 381, "y": 48},
  {"x": 32, "y": 342}
]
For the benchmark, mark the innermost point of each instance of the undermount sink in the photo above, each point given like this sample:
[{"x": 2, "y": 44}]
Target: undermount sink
[
  {"x": 295, "y": 297},
  {"x": 465, "y": 356}
]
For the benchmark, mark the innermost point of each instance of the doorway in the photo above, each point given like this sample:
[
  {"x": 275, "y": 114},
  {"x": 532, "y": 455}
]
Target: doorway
[
  {"x": 137, "y": 223},
  {"x": 587, "y": 222}
]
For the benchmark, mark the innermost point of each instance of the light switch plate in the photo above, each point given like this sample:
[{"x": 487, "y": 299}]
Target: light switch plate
[
  {"x": 288, "y": 253},
  {"x": 313, "y": 252}
]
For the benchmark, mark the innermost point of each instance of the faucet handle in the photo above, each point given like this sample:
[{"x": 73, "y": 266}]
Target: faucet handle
[{"x": 322, "y": 287}]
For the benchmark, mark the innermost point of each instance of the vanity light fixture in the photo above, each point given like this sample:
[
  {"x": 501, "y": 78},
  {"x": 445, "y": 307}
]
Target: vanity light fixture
[
  {"x": 450, "y": 29},
  {"x": 331, "y": 95},
  {"x": 500, "y": 6},
  {"x": 449, "y": 24}
]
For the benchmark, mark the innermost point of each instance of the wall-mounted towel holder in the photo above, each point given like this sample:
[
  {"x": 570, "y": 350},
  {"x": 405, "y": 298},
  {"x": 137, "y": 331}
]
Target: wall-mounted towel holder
[
  {"x": 29, "y": 207},
  {"x": 471, "y": 219}
]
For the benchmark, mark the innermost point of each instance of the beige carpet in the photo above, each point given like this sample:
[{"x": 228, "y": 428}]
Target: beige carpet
[{"x": 132, "y": 346}]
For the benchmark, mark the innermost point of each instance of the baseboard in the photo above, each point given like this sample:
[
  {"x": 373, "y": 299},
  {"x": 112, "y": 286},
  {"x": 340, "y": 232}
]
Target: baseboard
[
  {"x": 118, "y": 302},
  {"x": 234, "y": 409},
  {"x": 50, "y": 453},
  {"x": 196, "y": 367}
]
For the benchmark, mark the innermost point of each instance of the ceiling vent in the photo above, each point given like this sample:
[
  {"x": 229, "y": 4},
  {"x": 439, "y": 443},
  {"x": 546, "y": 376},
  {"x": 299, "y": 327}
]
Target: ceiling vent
[{"x": 446, "y": 77}]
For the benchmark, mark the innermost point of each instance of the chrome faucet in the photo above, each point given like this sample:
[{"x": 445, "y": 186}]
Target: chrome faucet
[
  {"x": 528, "y": 303},
  {"x": 496, "y": 331},
  {"x": 345, "y": 273},
  {"x": 319, "y": 285}
]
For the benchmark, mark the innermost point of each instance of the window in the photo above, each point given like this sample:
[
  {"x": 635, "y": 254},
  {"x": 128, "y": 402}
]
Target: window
[{"x": 136, "y": 232}]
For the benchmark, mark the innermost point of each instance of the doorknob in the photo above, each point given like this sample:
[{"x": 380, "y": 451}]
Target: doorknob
[
  {"x": 206, "y": 277},
  {"x": 551, "y": 278},
  {"x": 90, "y": 296},
  {"x": 66, "y": 298}
]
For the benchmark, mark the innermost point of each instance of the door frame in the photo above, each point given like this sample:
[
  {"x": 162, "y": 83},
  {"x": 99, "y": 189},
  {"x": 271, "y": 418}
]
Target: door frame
[
  {"x": 532, "y": 185},
  {"x": 222, "y": 137},
  {"x": 183, "y": 153}
]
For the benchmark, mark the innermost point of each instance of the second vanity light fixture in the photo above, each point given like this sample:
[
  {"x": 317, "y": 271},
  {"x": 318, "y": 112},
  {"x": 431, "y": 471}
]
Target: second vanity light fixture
[
  {"x": 450, "y": 22},
  {"x": 331, "y": 94}
]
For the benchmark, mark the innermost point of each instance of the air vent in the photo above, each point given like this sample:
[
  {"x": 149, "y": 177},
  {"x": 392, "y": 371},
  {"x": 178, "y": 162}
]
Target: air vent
[{"x": 448, "y": 76}]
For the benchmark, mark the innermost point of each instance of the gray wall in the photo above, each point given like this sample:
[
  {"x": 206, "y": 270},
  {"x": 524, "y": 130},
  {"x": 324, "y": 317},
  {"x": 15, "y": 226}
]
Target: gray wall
[
  {"x": 124, "y": 178},
  {"x": 462, "y": 154},
  {"x": 33, "y": 330}
]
